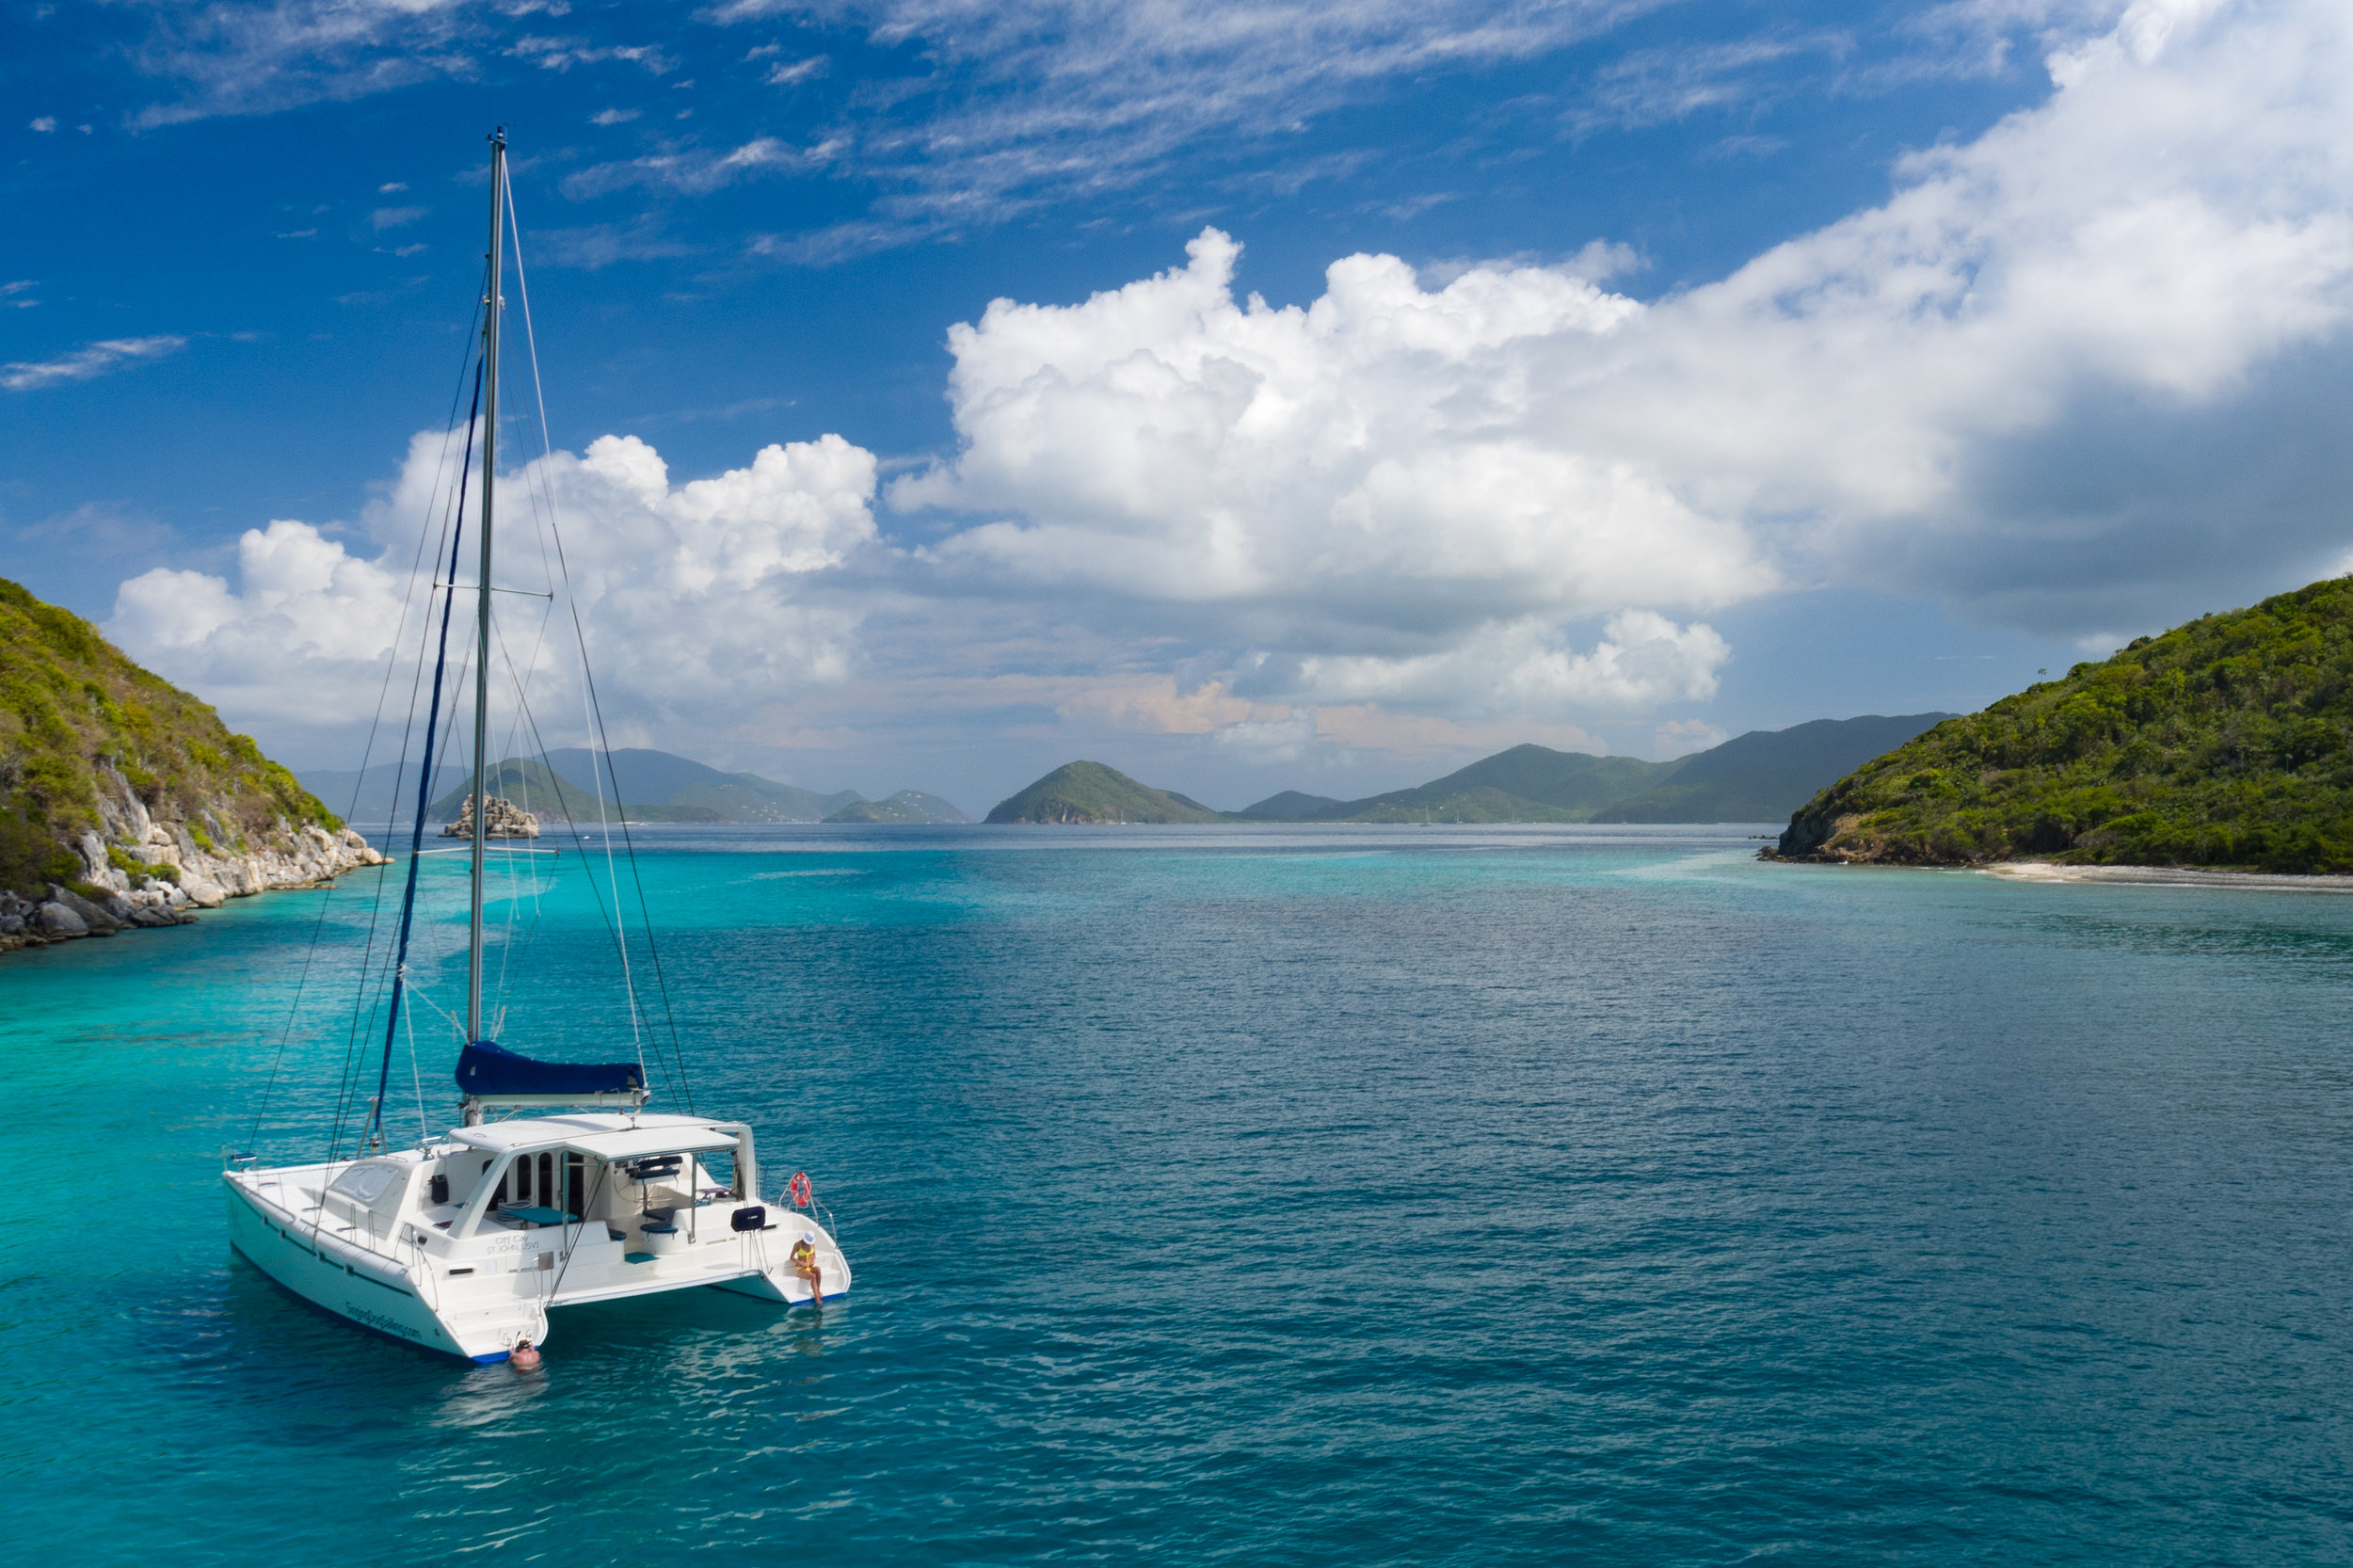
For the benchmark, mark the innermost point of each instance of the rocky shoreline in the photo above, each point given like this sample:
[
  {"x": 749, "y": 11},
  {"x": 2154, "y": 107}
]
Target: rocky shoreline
[{"x": 144, "y": 872}]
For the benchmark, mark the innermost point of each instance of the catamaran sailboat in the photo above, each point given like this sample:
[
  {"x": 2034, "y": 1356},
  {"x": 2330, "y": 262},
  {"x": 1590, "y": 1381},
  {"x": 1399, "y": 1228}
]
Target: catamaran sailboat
[{"x": 560, "y": 1188}]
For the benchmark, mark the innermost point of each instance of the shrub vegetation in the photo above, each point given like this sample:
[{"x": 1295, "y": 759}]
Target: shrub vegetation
[
  {"x": 72, "y": 706},
  {"x": 2224, "y": 743}
]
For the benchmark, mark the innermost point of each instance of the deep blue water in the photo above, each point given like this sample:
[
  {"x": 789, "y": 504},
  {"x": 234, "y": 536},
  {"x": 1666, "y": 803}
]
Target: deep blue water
[{"x": 1404, "y": 1195}]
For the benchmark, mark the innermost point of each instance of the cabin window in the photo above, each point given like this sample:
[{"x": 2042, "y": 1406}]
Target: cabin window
[
  {"x": 522, "y": 1180},
  {"x": 547, "y": 1180},
  {"x": 575, "y": 1184}
]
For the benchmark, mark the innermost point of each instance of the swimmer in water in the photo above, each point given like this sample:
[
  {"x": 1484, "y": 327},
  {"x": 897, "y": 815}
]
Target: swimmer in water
[
  {"x": 805, "y": 1265},
  {"x": 523, "y": 1358}
]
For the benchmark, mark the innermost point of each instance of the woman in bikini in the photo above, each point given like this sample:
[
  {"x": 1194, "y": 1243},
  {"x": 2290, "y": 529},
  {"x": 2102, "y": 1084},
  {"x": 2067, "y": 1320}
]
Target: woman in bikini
[{"x": 805, "y": 1265}]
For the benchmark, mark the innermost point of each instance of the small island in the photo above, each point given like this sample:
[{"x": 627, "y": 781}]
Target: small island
[
  {"x": 907, "y": 806},
  {"x": 2224, "y": 744},
  {"x": 1082, "y": 792}
]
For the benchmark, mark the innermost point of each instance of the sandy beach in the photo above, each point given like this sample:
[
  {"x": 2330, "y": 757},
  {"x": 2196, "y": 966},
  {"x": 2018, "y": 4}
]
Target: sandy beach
[{"x": 2166, "y": 876}]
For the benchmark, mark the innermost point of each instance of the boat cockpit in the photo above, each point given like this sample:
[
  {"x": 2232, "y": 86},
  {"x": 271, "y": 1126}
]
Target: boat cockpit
[{"x": 654, "y": 1183}]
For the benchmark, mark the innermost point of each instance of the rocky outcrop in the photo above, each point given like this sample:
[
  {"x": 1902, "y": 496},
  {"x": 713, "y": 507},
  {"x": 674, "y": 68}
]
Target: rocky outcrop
[
  {"x": 506, "y": 819},
  {"x": 138, "y": 871}
]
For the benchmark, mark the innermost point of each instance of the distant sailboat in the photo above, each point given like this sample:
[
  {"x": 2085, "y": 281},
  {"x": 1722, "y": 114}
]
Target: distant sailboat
[{"x": 466, "y": 1242}]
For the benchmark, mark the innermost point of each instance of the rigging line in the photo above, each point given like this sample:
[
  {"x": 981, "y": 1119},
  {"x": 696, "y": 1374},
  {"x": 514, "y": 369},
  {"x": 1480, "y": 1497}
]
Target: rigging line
[
  {"x": 392, "y": 666},
  {"x": 416, "y": 830},
  {"x": 598, "y": 739},
  {"x": 541, "y": 494},
  {"x": 429, "y": 768},
  {"x": 362, "y": 1007},
  {"x": 508, "y": 952},
  {"x": 543, "y": 514},
  {"x": 398, "y": 973},
  {"x": 612, "y": 920},
  {"x": 645, "y": 914},
  {"x": 595, "y": 707},
  {"x": 522, "y": 291},
  {"x": 616, "y": 922},
  {"x": 424, "y": 1129},
  {"x": 511, "y": 949},
  {"x": 549, "y": 526},
  {"x": 457, "y": 1024}
]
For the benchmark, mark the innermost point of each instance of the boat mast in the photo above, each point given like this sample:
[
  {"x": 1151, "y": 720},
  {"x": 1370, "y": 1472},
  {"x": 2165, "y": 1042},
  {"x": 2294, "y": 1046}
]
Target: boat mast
[{"x": 482, "y": 588}]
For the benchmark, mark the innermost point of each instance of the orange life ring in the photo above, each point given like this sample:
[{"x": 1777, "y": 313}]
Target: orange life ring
[{"x": 800, "y": 1190}]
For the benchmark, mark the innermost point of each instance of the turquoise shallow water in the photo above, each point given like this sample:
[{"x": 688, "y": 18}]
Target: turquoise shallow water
[{"x": 1402, "y": 1196}]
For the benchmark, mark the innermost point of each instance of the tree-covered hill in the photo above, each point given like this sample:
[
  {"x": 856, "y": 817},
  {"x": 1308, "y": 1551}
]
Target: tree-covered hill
[
  {"x": 82, "y": 728},
  {"x": 2225, "y": 742},
  {"x": 1091, "y": 792}
]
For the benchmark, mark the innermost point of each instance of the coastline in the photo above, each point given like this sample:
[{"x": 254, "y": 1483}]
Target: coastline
[
  {"x": 143, "y": 873},
  {"x": 2167, "y": 876}
]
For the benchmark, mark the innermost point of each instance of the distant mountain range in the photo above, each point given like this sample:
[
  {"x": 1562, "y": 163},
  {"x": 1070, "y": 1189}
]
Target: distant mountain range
[
  {"x": 675, "y": 783},
  {"x": 652, "y": 786},
  {"x": 1761, "y": 777}
]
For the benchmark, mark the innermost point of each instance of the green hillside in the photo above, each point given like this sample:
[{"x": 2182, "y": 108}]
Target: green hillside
[
  {"x": 2227, "y": 741},
  {"x": 72, "y": 705},
  {"x": 1091, "y": 792},
  {"x": 1765, "y": 774}
]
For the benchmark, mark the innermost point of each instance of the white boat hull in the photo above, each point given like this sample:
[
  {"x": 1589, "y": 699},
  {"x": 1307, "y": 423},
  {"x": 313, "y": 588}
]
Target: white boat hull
[{"x": 479, "y": 1297}]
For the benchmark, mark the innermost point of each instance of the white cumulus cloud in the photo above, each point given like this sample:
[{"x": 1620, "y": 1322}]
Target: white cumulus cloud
[
  {"x": 695, "y": 597},
  {"x": 1360, "y": 488},
  {"x": 2063, "y": 378}
]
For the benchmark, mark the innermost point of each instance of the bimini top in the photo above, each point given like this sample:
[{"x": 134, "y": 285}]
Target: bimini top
[
  {"x": 488, "y": 1068},
  {"x": 607, "y": 1137}
]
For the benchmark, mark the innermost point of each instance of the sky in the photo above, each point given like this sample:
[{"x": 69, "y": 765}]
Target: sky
[{"x": 1251, "y": 396}]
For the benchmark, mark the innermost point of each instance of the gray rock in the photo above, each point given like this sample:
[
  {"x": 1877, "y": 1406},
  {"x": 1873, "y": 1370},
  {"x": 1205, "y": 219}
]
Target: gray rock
[
  {"x": 97, "y": 920},
  {"x": 55, "y": 919}
]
